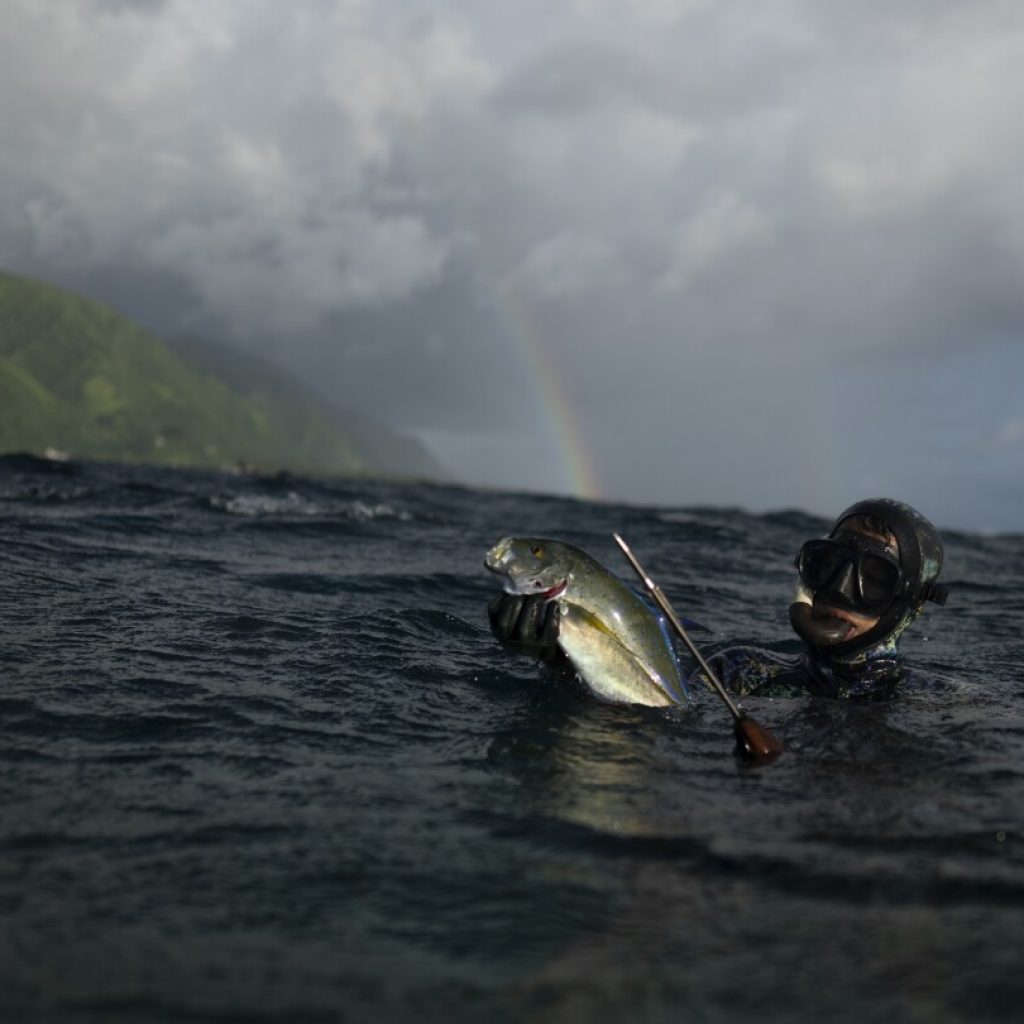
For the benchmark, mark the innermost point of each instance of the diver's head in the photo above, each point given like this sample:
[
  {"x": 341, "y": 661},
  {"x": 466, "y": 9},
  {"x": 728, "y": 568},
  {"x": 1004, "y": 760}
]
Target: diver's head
[{"x": 867, "y": 580}]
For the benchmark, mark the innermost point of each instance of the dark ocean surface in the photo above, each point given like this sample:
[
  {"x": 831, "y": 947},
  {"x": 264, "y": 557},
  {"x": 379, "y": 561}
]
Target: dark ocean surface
[{"x": 261, "y": 760}]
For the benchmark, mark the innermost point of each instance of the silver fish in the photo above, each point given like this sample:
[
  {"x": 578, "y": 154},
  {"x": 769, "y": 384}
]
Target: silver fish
[{"x": 618, "y": 646}]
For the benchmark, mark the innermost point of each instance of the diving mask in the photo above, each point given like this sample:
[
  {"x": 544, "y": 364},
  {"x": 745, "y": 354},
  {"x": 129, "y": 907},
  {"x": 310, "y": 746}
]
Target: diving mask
[{"x": 851, "y": 571}]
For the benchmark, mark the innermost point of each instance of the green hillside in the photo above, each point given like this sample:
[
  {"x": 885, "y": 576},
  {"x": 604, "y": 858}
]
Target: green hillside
[
  {"x": 313, "y": 425},
  {"x": 78, "y": 377}
]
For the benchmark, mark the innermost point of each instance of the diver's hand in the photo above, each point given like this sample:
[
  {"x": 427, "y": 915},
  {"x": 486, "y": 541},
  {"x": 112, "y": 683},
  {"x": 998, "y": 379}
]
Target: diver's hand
[{"x": 528, "y": 624}]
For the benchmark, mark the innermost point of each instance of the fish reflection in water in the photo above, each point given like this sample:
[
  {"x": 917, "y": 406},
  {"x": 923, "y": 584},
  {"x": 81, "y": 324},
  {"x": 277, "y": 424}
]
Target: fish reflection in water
[{"x": 685, "y": 869}]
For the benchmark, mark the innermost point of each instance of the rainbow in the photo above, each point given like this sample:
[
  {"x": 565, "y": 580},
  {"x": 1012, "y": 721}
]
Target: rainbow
[
  {"x": 517, "y": 323},
  {"x": 554, "y": 404}
]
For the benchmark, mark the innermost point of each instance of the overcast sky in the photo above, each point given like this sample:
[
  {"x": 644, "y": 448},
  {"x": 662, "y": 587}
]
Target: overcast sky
[{"x": 767, "y": 254}]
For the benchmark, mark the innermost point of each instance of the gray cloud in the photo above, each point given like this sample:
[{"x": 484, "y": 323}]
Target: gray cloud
[
  {"x": 127, "y": 6},
  {"x": 743, "y": 246}
]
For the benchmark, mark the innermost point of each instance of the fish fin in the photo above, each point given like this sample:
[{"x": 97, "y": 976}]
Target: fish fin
[
  {"x": 609, "y": 668},
  {"x": 581, "y": 617}
]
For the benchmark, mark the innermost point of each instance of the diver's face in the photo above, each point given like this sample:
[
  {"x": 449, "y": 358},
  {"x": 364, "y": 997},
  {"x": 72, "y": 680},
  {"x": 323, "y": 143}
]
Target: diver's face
[
  {"x": 858, "y": 624},
  {"x": 847, "y": 623}
]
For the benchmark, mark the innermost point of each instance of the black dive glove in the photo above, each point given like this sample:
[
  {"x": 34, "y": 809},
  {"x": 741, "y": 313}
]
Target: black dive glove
[{"x": 526, "y": 623}]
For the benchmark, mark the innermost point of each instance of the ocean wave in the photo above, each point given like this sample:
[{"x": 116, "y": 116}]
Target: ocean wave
[
  {"x": 292, "y": 504},
  {"x": 259, "y": 731}
]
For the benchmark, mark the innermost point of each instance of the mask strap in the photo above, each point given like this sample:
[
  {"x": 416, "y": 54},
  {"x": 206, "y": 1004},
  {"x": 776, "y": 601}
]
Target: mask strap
[{"x": 934, "y": 592}]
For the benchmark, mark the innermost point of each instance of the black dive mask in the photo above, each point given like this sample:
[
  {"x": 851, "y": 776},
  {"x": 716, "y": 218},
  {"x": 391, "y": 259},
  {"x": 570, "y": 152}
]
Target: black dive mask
[
  {"x": 859, "y": 573},
  {"x": 851, "y": 571}
]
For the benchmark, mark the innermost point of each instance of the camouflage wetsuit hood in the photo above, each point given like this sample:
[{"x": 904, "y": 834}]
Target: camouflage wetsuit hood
[{"x": 870, "y": 666}]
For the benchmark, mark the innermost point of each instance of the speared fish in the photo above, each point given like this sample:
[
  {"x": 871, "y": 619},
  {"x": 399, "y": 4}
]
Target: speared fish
[{"x": 619, "y": 647}]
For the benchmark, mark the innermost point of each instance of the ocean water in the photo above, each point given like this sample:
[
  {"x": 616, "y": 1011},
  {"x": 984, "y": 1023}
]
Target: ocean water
[{"x": 261, "y": 760}]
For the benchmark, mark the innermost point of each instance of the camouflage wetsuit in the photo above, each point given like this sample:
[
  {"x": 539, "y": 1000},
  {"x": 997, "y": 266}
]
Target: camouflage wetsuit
[{"x": 753, "y": 672}]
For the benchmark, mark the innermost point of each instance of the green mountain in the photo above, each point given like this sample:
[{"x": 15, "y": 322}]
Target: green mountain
[
  {"x": 77, "y": 377},
  {"x": 312, "y": 424}
]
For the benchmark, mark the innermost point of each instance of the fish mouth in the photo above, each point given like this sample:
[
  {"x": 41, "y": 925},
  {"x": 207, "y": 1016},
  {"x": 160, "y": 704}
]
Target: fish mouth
[
  {"x": 524, "y": 587},
  {"x": 496, "y": 559},
  {"x": 552, "y": 592},
  {"x": 500, "y": 561},
  {"x": 532, "y": 588}
]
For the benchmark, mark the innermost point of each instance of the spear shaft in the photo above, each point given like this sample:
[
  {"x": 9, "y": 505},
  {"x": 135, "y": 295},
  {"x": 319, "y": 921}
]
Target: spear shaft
[{"x": 752, "y": 740}]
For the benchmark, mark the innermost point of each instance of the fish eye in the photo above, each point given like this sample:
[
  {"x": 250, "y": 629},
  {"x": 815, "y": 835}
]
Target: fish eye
[{"x": 538, "y": 551}]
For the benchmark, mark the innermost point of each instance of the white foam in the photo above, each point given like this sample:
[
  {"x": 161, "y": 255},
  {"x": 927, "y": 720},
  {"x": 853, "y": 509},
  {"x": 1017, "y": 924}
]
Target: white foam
[{"x": 293, "y": 504}]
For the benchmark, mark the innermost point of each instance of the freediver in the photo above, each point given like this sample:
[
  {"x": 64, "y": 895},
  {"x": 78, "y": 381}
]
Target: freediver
[{"x": 858, "y": 589}]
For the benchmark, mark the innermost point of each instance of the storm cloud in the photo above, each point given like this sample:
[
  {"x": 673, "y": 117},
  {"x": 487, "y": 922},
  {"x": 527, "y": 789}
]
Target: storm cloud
[{"x": 759, "y": 254}]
